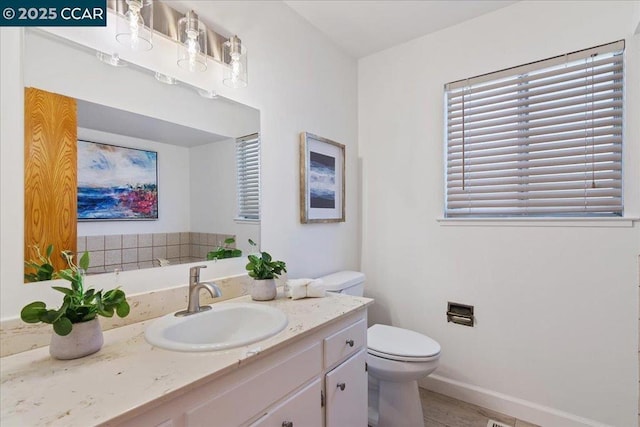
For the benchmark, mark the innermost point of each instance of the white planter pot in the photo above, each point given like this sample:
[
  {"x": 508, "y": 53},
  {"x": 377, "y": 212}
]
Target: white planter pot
[
  {"x": 263, "y": 290},
  {"x": 84, "y": 339}
]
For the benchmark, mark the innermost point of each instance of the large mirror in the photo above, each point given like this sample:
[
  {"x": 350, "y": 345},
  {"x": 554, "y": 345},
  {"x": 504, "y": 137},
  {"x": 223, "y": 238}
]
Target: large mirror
[{"x": 195, "y": 140}]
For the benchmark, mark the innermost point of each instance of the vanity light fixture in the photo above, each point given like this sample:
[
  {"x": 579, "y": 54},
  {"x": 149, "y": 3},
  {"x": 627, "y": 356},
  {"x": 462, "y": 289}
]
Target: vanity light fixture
[
  {"x": 192, "y": 43},
  {"x": 235, "y": 56},
  {"x": 163, "y": 78},
  {"x": 197, "y": 44},
  {"x": 113, "y": 59},
  {"x": 133, "y": 31}
]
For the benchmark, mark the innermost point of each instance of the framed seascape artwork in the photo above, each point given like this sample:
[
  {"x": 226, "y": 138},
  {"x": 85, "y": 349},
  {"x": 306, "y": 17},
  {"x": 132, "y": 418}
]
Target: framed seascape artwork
[
  {"x": 322, "y": 166},
  {"x": 116, "y": 183}
]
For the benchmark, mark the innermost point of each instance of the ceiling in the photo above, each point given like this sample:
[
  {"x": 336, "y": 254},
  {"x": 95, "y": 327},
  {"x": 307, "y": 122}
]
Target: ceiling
[
  {"x": 112, "y": 120},
  {"x": 363, "y": 27}
]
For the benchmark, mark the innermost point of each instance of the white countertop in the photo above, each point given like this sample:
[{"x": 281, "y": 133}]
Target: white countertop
[{"x": 128, "y": 373}]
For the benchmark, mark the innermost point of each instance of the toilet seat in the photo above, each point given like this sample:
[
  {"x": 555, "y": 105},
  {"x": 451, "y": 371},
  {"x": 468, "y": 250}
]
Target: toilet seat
[{"x": 400, "y": 344}]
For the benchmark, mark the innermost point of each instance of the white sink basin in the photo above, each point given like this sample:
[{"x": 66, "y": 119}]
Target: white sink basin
[{"x": 226, "y": 325}]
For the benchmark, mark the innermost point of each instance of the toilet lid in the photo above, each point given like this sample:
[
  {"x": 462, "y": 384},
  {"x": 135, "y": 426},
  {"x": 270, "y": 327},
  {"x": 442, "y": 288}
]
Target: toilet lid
[{"x": 401, "y": 344}]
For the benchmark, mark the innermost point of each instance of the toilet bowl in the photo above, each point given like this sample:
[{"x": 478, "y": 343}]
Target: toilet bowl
[{"x": 396, "y": 359}]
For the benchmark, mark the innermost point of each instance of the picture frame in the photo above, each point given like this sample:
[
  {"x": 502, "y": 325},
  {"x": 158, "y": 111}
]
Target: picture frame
[
  {"x": 322, "y": 180},
  {"x": 116, "y": 183}
]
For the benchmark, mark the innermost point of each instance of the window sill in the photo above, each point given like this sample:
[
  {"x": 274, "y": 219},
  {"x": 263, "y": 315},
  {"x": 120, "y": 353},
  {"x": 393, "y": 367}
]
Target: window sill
[
  {"x": 246, "y": 221},
  {"x": 538, "y": 222}
]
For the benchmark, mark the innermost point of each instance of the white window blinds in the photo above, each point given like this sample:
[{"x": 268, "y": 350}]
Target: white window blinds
[
  {"x": 543, "y": 139},
  {"x": 248, "y": 167}
]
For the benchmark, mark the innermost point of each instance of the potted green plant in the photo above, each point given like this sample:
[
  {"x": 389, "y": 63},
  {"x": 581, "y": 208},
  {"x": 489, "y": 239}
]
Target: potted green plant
[
  {"x": 222, "y": 252},
  {"x": 77, "y": 332},
  {"x": 264, "y": 270}
]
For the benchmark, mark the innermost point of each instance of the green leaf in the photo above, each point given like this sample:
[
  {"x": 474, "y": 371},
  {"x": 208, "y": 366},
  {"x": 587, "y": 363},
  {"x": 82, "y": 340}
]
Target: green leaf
[
  {"x": 89, "y": 316},
  {"x": 123, "y": 309},
  {"x": 65, "y": 291},
  {"x": 66, "y": 275},
  {"x": 49, "y": 250},
  {"x": 84, "y": 261},
  {"x": 31, "y": 313},
  {"x": 88, "y": 295},
  {"x": 229, "y": 240},
  {"x": 45, "y": 272},
  {"x": 51, "y": 316},
  {"x": 106, "y": 312},
  {"x": 62, "y": 326},
  {"x": 252, "y": 243}
]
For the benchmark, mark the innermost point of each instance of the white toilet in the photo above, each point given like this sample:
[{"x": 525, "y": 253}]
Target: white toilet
[{"x": 396, "y": 359}]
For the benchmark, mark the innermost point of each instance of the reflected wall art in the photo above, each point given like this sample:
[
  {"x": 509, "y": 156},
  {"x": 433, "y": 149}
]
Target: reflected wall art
[{"x": 116, "y": 183}]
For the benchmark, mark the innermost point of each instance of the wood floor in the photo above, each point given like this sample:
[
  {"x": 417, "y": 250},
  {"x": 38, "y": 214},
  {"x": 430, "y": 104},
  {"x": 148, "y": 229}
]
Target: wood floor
[{"x": 443, "y": 411}]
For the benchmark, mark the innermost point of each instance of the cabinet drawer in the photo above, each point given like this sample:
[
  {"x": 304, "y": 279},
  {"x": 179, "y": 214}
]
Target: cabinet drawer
[
  {"x": 258, "y": 392},
  {"x": 303, "y": 409},
  {"x": 344, "y": 343}
]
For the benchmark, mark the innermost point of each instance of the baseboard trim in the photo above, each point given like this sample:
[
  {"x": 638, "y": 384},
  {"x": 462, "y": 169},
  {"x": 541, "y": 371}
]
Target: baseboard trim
[{"x": 508, "y": 405}]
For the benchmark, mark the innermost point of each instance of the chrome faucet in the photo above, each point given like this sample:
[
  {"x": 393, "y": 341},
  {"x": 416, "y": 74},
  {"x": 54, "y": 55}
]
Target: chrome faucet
[{"x": 194, "y": 292}]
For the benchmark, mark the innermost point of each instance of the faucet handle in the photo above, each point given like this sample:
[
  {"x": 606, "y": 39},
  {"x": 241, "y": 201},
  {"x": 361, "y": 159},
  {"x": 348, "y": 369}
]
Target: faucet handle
[{"x": 194, "y": 272}]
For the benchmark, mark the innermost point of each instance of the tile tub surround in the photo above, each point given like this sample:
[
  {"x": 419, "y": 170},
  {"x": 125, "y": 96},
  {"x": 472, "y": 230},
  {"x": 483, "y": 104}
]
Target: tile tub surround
[
  {"x": 134, "y": 251},
  {"x": 17, "y": 336},
  {"x": 132, "y": 373}
]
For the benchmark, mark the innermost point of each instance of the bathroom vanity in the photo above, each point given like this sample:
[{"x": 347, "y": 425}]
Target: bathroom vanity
[{"x": 310, "y": 374}]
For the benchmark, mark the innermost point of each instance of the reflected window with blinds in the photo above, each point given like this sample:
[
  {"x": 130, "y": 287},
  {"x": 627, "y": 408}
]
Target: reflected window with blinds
[
  {"x": 539, "y": 140},
  {"x": 248, "y": 178}
]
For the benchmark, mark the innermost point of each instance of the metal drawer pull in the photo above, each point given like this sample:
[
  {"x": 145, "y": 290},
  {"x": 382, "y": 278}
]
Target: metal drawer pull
[
  {"x": 350, "y": 343},
  {"x": 287, "y": 424},
  {"x": 341, "y": 386}
]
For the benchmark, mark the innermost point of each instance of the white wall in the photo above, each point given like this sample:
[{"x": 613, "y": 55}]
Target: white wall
[
  {"x": 173, "y": 183},
  {"x": 298, "y": 80},
  {"x": 556, "y": 340},
  {"x": 213, "y": 166}
]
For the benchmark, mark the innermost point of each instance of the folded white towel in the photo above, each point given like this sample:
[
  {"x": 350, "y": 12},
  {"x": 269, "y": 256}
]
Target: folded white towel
[
  {"x": 315, "y": 289},
  {"x": 303, "y": 288},
  {"x": 297, "y": 288},
  {"x": 298, "y": 282},
  {"x": 298, "y": 291}
]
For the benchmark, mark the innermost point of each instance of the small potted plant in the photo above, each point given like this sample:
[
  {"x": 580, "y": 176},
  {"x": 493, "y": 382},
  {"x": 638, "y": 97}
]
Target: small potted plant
[
  {"x": 77, "y": 332},
  {"x": 225, "y": 251},
  {"x": 264, "y": 270}
]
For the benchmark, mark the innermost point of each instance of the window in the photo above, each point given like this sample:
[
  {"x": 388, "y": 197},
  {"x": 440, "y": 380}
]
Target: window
[
  {"x": 248, "y": 167},
  {"x": 542, "y": 139}
]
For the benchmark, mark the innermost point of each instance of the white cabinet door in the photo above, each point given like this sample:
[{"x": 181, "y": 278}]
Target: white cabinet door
[
  {"x": 302, "y": 409},
  {"x": 346, "y": 389}
]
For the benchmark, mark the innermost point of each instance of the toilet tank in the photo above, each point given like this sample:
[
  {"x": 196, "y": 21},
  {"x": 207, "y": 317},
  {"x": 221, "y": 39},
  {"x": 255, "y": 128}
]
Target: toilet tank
[{"x": 345, "y": 282}]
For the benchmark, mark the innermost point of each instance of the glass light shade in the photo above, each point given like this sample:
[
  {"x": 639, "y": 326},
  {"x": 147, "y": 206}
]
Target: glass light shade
[
  {"x": 235, "y": 59},
  {"x": 209, "y": 94},
  {"x": 163, "y": 78},
  {"x": 113, "y": 60},
  {"x": 136, "y": 29},
  {"x": 192, "y": 43}
]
